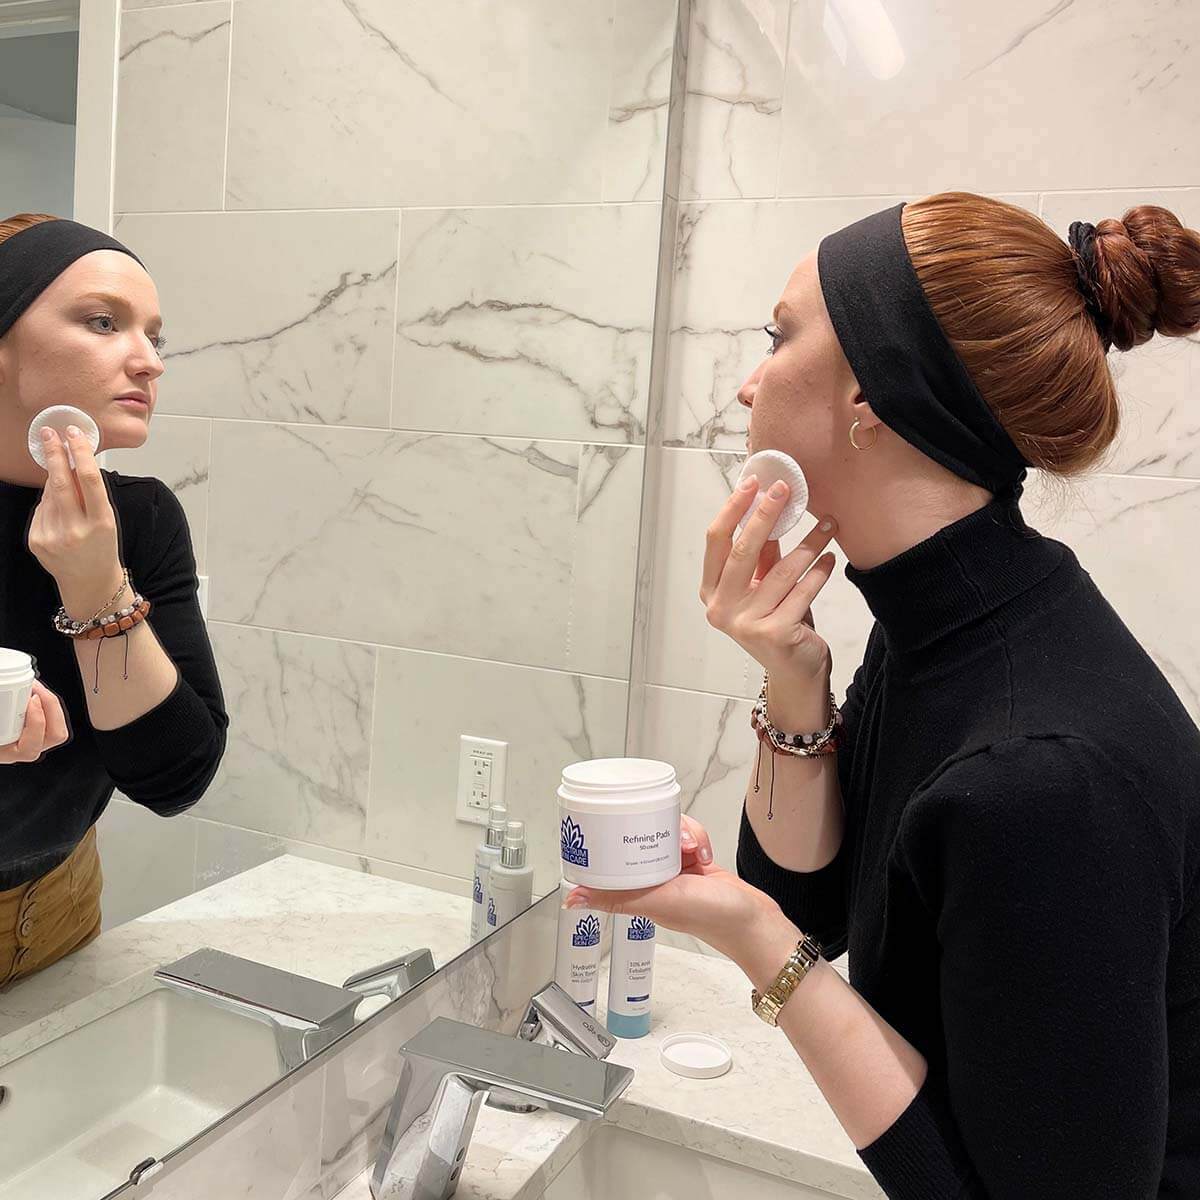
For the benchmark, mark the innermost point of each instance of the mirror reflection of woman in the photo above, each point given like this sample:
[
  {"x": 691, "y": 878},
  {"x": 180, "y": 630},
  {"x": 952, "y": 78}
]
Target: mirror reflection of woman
[
  {"x": 1004, "y": 830},
  {"x": 136, "y": 705}
]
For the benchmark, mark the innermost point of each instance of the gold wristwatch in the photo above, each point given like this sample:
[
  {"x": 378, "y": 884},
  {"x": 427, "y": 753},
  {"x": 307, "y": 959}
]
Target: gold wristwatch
[{"x": 799, "y": 963}]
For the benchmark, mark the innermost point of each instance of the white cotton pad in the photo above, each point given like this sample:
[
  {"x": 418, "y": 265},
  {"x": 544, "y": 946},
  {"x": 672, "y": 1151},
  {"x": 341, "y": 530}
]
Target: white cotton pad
[
  {"x": 769, "y": 466},
  {"x": 59, "y": 417}
]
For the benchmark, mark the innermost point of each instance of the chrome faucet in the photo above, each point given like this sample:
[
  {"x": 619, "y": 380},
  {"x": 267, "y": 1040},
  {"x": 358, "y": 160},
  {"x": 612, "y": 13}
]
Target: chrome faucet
[
  {"x": 447, "y": 1071},
  {"x": 554, "y": 1019},
  {"x": 305, "y": 1014},
  {"x": 394, "y": 977}
]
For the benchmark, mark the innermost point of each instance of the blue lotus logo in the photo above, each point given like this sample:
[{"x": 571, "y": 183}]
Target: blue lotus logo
[
  {"x": 573, "y": 849},
  {"x": 491, "y": 917},
  {"x": 641, "y": 929},
  {"x": 478, "y": 891},
  {"x": 587, "y": 932}
]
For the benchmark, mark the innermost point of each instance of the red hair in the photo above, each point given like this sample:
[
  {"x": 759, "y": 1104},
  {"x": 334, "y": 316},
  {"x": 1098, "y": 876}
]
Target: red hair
[
  {"x": 1004, "y": 288},
  {"x": 22, "y": 221}
]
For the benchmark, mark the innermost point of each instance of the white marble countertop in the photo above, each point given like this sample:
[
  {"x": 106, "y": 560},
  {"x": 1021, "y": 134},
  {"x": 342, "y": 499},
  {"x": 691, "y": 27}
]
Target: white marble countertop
[
  {"x": 765, "y": 1113},
  {"x": 307, "y": 917}
]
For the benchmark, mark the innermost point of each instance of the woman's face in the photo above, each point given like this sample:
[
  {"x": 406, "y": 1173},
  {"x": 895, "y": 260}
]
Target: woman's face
[
  {"x": 91, "y": 338},
  {"x": 802, "y": 395}
]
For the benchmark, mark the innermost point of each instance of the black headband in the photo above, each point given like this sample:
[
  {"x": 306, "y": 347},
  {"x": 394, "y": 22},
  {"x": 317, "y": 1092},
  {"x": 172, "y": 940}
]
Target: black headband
[
  {"x": 30, "y": 261},
  {"x": 907, "y": 369}
]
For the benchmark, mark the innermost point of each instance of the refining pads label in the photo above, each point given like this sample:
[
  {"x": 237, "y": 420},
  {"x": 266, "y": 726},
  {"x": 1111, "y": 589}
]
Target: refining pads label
[{"x": 615, "y": 844}]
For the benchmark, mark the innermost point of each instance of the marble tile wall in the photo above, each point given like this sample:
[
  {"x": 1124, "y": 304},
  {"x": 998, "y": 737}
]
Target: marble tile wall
[
  {"x": 406, "y": 254},
  {"x": 798, "y": 118},
  {"x": 801, "y": 117}
]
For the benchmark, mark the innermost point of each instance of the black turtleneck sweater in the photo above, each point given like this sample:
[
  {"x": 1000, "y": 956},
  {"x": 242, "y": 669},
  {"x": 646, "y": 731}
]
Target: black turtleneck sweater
[
  {"x": 165, "y": 758},
  {"x": 1019, "y": 882}
]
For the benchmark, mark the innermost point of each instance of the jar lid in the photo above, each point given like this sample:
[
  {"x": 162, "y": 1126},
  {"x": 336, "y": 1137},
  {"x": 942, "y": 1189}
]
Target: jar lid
[
  {"x": 15, "y": 664},
  {"x": 695, "y": 1055},
  {"x": 618, "y": 774}
]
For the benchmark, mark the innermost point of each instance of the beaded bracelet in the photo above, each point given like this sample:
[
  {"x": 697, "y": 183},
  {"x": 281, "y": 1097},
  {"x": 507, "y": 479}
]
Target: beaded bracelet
[
  {"x": 799, "y": 745},
  {"x": 103, "y": 625}
]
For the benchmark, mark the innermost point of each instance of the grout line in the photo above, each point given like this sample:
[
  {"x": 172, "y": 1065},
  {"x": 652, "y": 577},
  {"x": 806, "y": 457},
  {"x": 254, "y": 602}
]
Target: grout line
[
  {"x": 395, "y": 320},
  {"x": 208, "y": 503},
  {"x": 228, "y": 93},
  {"x": 452, "y": 433},
  {"x": 783, "y": 79},
  {"x": 495, "y": 662},
  {"x": 532, "y": 205},
  {"x": 371, "y": 750},
  {"x": 329, "y": 849}
]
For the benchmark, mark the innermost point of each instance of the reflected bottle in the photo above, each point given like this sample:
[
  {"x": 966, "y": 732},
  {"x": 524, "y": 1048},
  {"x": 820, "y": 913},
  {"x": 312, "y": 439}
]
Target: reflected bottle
[
  {"x": 510, "y": 881},
  {"x": 487, "y": 855}
]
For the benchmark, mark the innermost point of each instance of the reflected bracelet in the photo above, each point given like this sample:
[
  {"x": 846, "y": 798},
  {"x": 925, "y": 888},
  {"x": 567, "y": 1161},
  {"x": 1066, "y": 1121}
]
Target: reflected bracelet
[{"x": 103, "y": 625}]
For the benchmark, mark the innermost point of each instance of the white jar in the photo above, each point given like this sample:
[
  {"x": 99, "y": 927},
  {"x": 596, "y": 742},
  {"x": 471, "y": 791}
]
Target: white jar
[
  {"x": 619, "y": 824},
  {"x": 16, "y": 686}
]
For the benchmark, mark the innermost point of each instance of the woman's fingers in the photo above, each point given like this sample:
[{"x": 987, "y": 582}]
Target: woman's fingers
[
  {"x": 61, "y": 491},
  {"x": 56, "y": 719},
  {"x": 694, "y": 839},
  {"x": 797, "y": 604},
  {"x": 767, "y": 559},
  {"x": 87, "y": 473},
  {"x": 743, "y": 554},
  {"x": 720, "y": 535},
  {"x": 28, "y": 747},
  {"x": 781, "y": 580},
  {"x": 611, "y": 901}
]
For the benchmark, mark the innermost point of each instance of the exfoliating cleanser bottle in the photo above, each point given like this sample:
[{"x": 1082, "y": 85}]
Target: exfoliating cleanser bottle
[
  {"x": 630, "y": 973},
  {"x": 487, "y": 855}
]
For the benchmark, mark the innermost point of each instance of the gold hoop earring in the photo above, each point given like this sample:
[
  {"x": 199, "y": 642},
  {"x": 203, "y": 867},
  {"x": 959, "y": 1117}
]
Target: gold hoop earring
[{"x": 874, "y": 436}]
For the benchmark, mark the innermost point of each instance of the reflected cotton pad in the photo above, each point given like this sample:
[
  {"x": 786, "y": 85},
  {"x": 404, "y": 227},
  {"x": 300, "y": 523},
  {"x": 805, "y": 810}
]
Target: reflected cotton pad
[
  {"x": 59, "y": 417},
  {"x": 770, "y": 465}
]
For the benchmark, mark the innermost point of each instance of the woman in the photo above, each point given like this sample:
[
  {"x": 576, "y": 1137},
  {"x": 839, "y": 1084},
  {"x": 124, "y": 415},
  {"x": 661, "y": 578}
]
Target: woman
[
  {"x": 1004, "y": 826},
  {"x": 83, "y": 553}
]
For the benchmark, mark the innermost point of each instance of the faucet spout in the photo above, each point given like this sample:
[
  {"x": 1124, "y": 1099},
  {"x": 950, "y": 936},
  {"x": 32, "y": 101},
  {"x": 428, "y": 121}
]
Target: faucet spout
[{"x": 449, "y": 1067}]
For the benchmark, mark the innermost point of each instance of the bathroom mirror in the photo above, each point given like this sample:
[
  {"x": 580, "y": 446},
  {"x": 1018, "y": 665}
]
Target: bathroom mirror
[{"x": 408, "y": 299}]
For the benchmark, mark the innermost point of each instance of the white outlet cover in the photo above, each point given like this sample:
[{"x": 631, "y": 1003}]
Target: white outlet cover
[{"x": 497, "y": 754}]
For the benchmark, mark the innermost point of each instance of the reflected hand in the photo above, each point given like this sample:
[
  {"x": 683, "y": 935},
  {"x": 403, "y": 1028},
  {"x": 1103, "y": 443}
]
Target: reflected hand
[
  {"x": 73, "y": 533},
  {"x": 45, "y": 728}
]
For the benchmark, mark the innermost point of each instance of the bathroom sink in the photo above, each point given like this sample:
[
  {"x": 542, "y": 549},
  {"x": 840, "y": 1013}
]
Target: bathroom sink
[
  {"x": 616, "y": 1163},
  {"x": 81, "y": 1111}
]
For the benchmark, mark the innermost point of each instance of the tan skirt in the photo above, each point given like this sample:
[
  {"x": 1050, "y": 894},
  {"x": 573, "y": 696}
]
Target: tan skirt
[{"x": 43, "y": 921}]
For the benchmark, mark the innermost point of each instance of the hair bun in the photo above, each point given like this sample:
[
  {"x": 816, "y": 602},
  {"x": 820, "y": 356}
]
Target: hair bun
[{"x": 1146, "y": 276}]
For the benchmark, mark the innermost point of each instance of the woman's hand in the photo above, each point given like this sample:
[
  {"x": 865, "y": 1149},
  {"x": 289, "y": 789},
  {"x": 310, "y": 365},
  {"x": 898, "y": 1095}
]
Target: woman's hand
[
  {"x": 74, "y": 529},
  {"x": 707, "y": 902},
  {"x": 45, "y": 728},
  {"x": 761, "y": 600}
]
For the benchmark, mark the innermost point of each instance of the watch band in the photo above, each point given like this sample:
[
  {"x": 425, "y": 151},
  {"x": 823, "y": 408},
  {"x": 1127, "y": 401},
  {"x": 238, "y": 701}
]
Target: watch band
[{"x": 799, "y": 963}]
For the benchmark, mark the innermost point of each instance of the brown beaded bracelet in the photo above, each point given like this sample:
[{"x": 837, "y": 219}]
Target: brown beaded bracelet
[{"x": 115, "y": 628}]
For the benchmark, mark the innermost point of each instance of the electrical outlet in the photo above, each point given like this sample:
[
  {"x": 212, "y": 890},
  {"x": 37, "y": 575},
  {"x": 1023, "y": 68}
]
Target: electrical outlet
[{"x": 482, "y": 765}]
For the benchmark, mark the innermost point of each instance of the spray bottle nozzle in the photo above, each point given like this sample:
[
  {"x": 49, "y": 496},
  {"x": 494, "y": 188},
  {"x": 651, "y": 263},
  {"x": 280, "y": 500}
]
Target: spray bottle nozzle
[{"x": 514, "y": 845}]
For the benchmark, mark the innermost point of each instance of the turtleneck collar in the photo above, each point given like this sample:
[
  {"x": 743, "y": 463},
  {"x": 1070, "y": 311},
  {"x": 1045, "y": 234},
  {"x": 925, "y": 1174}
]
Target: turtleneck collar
[
  {"x": 17, "y": 497},
  {"x": 956, "y": 577}
]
